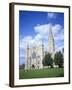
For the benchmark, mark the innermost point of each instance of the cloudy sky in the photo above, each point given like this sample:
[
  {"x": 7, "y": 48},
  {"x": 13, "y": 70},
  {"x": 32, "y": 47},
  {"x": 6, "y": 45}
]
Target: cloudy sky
[{"x": 34, "y": 26}]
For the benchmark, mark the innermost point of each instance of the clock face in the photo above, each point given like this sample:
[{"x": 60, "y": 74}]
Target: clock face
[{"x": 33, "y": 55}]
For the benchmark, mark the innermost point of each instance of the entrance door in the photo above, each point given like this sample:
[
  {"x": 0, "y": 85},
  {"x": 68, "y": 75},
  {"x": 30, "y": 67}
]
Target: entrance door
[{"x": 33, "y": 66}]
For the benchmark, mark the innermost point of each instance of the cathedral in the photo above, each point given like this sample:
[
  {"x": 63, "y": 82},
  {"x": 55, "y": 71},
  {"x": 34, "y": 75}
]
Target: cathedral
[{"x": 35, "y": 54}]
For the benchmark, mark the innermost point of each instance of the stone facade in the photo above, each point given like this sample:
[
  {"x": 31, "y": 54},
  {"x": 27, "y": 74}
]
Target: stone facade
[{"x": 34, "y": 57}]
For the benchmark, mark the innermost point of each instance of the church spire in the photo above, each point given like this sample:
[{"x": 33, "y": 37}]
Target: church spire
[{"x": 51, "y": 44}]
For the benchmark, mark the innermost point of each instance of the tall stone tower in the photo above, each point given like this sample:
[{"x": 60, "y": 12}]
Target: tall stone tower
[{"x": 51, "y": 44}]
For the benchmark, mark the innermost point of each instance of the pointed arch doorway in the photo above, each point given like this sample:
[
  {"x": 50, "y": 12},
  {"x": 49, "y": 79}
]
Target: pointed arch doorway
[{"x": 33, "y": 66}]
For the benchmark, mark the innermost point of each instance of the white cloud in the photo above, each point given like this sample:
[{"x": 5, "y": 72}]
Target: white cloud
[
  {"x": 41, "y": 29},
  {"x": 28, "y": 40},
  {"x": 51, "y": 15},
  {"x": 42, "y": 35},
  {"x": 24, "y": 41},
  {"x": 38, "y": 37},
  {"x": 57, "y": 29}
]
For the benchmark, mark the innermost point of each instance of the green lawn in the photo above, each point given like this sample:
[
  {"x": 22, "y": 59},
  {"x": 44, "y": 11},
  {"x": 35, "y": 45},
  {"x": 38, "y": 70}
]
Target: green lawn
[{"x": 41, "y": 73}]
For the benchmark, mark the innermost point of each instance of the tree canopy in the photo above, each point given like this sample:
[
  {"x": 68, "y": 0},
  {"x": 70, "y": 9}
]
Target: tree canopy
[
  {"x": 47, "y": 60},
  {"x": 58, "y": 59}
]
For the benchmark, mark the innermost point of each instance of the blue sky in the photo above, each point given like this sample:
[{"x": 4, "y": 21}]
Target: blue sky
[{"x": 34, "y": 26}]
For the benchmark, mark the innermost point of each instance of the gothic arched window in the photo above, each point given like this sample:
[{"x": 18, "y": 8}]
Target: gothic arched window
[{"x": 33, "y": 55}]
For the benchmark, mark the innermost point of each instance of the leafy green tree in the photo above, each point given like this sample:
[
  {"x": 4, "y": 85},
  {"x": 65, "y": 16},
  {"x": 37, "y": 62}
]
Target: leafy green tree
[
  {"x": 47, "y": 60},
  {"x": 58, "y": 59}
]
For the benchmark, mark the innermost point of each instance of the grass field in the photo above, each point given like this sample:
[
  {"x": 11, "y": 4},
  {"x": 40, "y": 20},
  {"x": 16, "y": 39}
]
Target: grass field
[{"x": 41, "y": 73}]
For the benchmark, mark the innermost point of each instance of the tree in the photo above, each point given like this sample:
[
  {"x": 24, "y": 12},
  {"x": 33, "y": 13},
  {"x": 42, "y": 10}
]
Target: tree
[
  {"x": 58, "y": 59},
  {"x": 47, "y": 60},
  {"x": 22, "y": 66}
]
